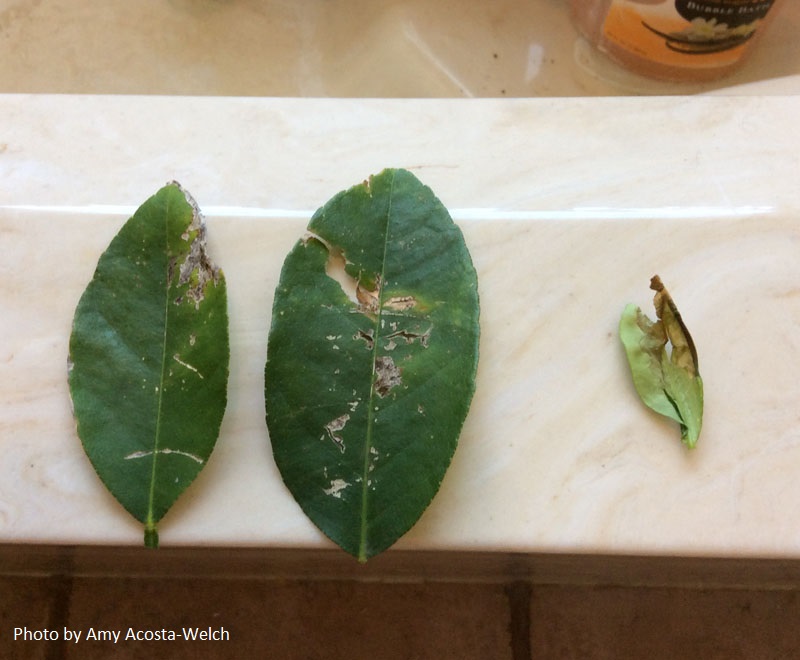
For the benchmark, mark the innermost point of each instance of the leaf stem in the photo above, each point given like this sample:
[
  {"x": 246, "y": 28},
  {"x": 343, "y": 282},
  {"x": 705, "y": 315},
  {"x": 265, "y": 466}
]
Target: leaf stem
[{"x": 150, "y": 535}]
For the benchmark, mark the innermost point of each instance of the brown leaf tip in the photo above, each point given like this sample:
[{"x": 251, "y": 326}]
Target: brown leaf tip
[{"x": 656, "y": 284}]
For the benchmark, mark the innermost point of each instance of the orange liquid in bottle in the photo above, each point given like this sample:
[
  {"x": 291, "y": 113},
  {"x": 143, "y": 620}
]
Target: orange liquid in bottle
[{"x": 678, "y": 40}]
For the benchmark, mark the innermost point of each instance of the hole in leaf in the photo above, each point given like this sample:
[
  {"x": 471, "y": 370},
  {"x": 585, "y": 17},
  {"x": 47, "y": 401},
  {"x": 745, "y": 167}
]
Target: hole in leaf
[{"x": 335, "y": 269}]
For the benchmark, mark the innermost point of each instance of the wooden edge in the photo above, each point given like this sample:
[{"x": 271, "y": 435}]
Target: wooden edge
[{"x": 400, "y": 566}]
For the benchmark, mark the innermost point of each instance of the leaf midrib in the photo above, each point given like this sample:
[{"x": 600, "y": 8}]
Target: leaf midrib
[
  {"x": 149, "y": 522},
  {"x": 362, "y": 544}
]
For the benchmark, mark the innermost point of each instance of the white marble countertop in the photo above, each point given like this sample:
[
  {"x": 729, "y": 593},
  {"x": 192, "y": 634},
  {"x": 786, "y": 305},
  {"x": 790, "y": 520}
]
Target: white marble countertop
[{"x": 568, "y": 207}]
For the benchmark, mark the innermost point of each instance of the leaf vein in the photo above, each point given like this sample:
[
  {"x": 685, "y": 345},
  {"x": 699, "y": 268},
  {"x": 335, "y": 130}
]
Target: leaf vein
[{"x": 368, "y": 443}]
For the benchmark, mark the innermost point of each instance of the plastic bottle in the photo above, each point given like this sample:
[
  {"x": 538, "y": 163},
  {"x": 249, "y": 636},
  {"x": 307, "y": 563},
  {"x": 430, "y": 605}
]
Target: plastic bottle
[{"x": 678, "y": 40}]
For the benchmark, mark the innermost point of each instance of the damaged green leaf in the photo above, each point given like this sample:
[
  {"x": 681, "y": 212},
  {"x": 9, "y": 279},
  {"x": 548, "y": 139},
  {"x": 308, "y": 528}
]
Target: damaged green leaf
[
  {"x": 668, "y": 382},
  {"x": 148, "y": 357},
  {"x": 371, "y": 360}
]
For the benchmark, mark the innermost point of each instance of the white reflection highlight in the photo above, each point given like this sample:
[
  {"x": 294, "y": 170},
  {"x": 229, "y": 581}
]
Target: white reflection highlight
[
  {"x": 114, "y": 209},
  {"x": 460, "y": 214},
  {"x": 534, "y": 63},
  {"x": 606, "y": 213}
]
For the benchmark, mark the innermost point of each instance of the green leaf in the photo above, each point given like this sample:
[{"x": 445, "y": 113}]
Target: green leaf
[
  {"x": 667, "y": 382},
  {"x": 371, "y": 360},
  {"x": 148, "y": 357},
  {"x": 686, "y": 393}
]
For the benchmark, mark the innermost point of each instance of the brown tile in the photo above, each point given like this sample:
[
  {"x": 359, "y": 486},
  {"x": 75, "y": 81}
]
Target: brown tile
[
  {"x": 28, "y": 602},
  {"x": 305, "y": 620},
  {"x": 654, "y": 623}
]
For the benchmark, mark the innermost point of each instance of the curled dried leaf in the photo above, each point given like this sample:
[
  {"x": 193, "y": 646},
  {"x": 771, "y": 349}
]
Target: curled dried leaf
[{"x": 668, "y": 382}]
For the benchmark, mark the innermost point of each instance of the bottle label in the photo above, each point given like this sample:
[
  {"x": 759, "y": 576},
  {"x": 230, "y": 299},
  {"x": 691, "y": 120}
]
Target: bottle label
[{"x": 693, "y": 34}]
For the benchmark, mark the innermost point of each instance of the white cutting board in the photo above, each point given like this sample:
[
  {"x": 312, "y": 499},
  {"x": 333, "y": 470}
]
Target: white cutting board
[{"x": 568, "y": 207}]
